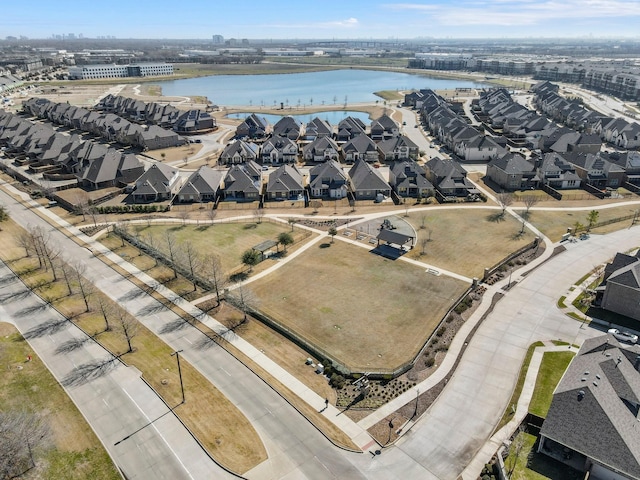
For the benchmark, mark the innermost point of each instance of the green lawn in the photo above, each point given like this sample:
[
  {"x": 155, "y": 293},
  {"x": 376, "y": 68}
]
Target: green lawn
[
  {"x": 368, "y": 311},
  {"x": 551, "y": 370}
]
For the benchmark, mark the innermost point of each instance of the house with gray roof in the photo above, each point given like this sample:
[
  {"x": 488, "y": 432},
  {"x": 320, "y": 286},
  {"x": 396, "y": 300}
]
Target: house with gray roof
[
  {"x": 409, "y": 179},
  {"x": 278, "y": 150},
  {"x": 596, "y": 170},
  {"x": 254, "y": 126},
  {"x": 112, "y": 169},
  {"x": 243, "y": 183},
  {"x": 194, "y": 121},
  {"x": 285, "y": 183},
  {"x": 317, "y": 128},
  {"x": 592, "y": 423},
  {"x": 399, "y": 147},
  {"x": 203, "y": 185},
  {"x": 328, "y": 180},
  {"x": 383, "y": 128},
  {"x": 360, "y": 147},
  {"x": 154, "y": 137},
  {"x": 620, "y": 289},
  {"x": 555, "y": 172},
  {"x": 239, "y": 151},
  {"x": 513, "y": 172},
  {"x": 287, "y": 127},
  {"x": 321, "y": 149},
  {"x": 449, "y": 178},
  {"x": 159, "y": 183},
  {"x": 349, "y": 128},
  {"x": 367, "y": 182}
]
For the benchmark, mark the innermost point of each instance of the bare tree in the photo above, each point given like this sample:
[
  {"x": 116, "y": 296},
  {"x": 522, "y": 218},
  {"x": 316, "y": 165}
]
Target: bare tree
[
  {"x": 183, "y": 214},
  {"x": 315, "y": 204},
  {"x": 67, "y": 274},
  {"x": 127, "y": 326},
  {"x": 172, "y": 249},
  {"x": 423, "y": 222},
  {"x": 516, "y": 451},
  {"x": 81, "y": 202},
  {"x": 245, "y": 300},
  {"x": 105, "y": 308},
  {"x": 505, "y": 199},
  {"x": 212, "y": 213},
  {"x": 25, "y": 240},
  {"x": 529, "y": 202},
  {"x": 87, "y": 288},
  {"x": 93, "y": 213},
  {"x": 122, "y": 229},
  {"x": 258, "y": 213},
  {"x": 23, "y": 435},
  {"x": 216, "y": 275},
  {"x": 292, "y": 222},
  {"x": 151, "y": 241},
  {"x": 193, "y": 261},
  {"x": 47, "y": 250},
  {"x": 423, "y": 245}
]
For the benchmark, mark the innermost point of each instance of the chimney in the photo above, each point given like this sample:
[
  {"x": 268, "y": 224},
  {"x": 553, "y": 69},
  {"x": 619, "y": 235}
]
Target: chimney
[{"x": 637, "y": 364}]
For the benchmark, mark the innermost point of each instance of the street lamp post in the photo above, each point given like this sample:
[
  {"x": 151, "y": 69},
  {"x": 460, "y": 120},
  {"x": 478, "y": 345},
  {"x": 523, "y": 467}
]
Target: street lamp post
[{"x": 177, "y": 355}]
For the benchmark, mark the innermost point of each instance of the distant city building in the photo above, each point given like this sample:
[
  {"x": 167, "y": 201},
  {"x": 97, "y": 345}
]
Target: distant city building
[
  {"x": 86, "y": 72},
  {"x": 218, "y": 39}
]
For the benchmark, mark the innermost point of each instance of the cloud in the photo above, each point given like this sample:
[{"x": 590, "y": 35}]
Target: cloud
[{"x": 520, "y": 12}]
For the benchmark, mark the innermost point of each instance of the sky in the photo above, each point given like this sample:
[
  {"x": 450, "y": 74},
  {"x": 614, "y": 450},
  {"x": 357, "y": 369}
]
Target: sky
[{"x": 328, "y": 19}]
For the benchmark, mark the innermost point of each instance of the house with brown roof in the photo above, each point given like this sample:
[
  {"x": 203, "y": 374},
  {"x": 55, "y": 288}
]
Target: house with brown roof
[{"x": 159, "y": 183}]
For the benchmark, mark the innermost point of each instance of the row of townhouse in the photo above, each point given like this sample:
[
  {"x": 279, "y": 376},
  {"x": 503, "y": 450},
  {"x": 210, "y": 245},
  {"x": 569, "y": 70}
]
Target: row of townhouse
[
  {"x": 43, "y": 149},
  {"x": 614, "y": 130},
  {"x": 565, "y": 171},
  {"x": 246, "y": 182},
  {"x": 452, "y": 129},
  {"x": 522, "y": 127},
  {"x": 280, "y": 149},
  {"x": 257, "y": 127},
  {"x": 166, "y": 116},
  {"x": 110, "y": 127}
]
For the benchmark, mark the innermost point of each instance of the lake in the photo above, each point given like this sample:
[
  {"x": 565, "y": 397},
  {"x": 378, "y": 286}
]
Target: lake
[
  {"x": 333, "y": 117},
  {"x": 334, "y": 87}
]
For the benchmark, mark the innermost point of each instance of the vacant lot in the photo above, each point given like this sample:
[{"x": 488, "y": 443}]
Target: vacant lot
[
  {"x": 227, "y": 240},
  {"x": 74, "y": 450},
  {"x": 555, "y": 224},
  {"x": 466, "y": 241},
  {"x": 369, "y": 312}
]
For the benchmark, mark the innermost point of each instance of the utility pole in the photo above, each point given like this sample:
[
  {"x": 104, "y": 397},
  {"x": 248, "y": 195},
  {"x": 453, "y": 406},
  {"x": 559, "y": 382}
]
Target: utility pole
[{"x": 177, "y": 355}]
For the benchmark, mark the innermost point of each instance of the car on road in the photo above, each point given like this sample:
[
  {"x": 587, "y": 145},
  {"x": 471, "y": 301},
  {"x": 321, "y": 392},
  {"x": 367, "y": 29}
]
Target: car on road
[{"x": 623, "y": 336}]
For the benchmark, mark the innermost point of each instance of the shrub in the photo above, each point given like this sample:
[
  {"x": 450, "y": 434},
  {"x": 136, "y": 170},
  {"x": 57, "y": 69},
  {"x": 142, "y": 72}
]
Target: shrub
[
  {"x": 336, "y": 380},
  {"x": 441, "y": 331},
  {"x": 450, "y": 319},
  {"x": 429, "y": 362}
]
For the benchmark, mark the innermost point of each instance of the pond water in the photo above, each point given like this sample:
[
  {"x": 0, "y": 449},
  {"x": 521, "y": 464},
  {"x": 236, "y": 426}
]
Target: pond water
[
  {"x": 334, "y": 117},
  {"x": 334, "y": 87}
]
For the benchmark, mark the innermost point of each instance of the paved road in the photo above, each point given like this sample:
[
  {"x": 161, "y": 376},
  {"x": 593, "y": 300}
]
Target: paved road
[
  {"x": 296, "y": 449},
  {"x": 116, "y": 404},
  {"x": 464, "y": 416}
]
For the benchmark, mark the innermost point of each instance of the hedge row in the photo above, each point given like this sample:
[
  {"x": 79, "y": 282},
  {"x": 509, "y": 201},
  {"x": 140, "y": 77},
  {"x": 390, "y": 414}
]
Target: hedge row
[{"x": 131, "y": 209}]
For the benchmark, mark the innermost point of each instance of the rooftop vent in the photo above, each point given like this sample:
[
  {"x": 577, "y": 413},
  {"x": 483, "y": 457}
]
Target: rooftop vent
[{"x": 580, "y": 395}]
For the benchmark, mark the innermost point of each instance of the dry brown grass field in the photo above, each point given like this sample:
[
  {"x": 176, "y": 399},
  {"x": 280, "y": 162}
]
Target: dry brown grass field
[
  {"x": 368, "y": 311},
  {"x": 466, "y": 241}
]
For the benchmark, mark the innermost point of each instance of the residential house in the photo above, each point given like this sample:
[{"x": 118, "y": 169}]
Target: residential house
[
  {"x": 277, "y": 150},
  {"x": 155, "y": 137},
  {"x": 194, "y": 121},
  {"x": 630, "y": 162},
  {"x": 449, "y": 178},
  {"x": 408, "y": 179},
  {"x": 478, "y": 149},
  {"x": 238, "y": 151},
  {"x": 360, "y": 147},
  {"x": 399, "y": 147},
  {"x": 577, "y": 142},
  {"x": 287, "y": 127},
  {"x": 243, "y": 183},
  {"x": 555, "y": 172},
  {"x": 285, "y": 183},
  {"x": 321, "y": 149},
  {"x": 253, "y": 127},
  {"x": 203, "y": 185},
  {"x": 513, "y": 172},
  {"x": 620, "y": 289},
  {"x": 159, "y": 183},
  {"x": 367, "y": 182},
  {"x": 112, "y": 169},
  {"x": 592, "y": 423},
  {"x": 317, "y": 128},
  {"x": 596, "y": 170},
  {"x": 328, "y": 180},
  {"x": 350, "y": 128},
  {"x": 383, "y": 128}
]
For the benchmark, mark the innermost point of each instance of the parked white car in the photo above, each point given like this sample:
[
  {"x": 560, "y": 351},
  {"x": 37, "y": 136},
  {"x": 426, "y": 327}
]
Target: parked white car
[{"x": 623, "y": 336}]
